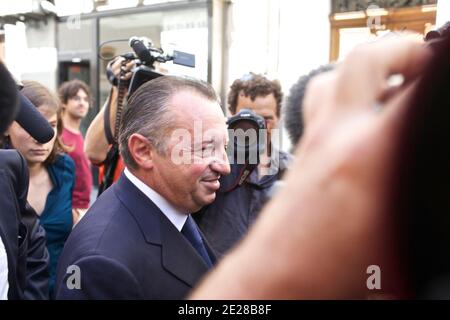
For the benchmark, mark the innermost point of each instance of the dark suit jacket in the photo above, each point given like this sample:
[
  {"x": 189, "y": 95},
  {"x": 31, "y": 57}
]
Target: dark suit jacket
[
  {"x": 23, "y": 237},
  {"x": 126, "y": 248}
]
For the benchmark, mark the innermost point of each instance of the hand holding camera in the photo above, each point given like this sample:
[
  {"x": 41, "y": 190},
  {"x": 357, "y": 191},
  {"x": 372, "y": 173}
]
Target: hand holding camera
[{"x": 115, "y": 67}]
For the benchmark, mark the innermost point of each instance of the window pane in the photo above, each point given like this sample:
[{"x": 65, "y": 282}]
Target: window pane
[{"x": 75, "y": 35}]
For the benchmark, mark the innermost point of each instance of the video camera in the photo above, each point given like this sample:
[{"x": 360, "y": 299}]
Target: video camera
[{"x": 147, "y": 55}]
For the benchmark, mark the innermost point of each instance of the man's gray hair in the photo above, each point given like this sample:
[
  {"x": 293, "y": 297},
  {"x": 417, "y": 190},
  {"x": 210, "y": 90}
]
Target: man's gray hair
[{"x": 148, "y": 114}]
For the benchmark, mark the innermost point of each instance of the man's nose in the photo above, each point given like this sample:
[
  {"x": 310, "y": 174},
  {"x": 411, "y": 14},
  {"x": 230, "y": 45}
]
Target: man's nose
[{"x": 221, "y": 166}]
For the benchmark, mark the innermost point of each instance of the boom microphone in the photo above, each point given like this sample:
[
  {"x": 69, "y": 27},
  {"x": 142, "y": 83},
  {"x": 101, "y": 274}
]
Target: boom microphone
[
  {"x": 8, "y": 99},
  {"x": 141, "y": 50},
  {"x": 33, "y": 122},
  {"x": 15, "y": 106}
]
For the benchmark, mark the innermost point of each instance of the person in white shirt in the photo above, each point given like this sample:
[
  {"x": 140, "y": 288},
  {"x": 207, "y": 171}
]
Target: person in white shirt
[{"x": 4, "y": 285}]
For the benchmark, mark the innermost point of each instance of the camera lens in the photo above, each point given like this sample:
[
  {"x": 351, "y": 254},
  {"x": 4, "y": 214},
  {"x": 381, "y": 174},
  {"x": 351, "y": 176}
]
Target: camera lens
[
  {"x": 244, "y": 131},
  {"x": 245, "y": 134}
]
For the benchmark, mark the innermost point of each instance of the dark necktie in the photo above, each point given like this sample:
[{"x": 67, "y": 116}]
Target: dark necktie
[{"x": 190, "y": 231}]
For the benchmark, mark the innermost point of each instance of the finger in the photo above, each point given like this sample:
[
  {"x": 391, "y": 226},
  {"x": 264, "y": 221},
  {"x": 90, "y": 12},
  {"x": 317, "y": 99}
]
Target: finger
[
  {"x": 116, "y": 69},
  {"x": 317, "y": 96},
  {"x": 127, "y": 76},
  {"x": 129, "y": 65},
  {"x": 397, "y": 109},
  {"x": 118, "y": 60},
  {"x": 364, "y": 73}
]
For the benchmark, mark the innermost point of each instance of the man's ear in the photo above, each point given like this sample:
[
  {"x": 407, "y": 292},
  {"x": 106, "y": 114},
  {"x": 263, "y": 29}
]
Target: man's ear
[{"x": 141, "y": 150}]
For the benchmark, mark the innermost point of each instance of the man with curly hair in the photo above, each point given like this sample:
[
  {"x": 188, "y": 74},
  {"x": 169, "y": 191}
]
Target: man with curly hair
[
  {"x": 228, "y": 218},
  {"x": 261, "y": 95}
]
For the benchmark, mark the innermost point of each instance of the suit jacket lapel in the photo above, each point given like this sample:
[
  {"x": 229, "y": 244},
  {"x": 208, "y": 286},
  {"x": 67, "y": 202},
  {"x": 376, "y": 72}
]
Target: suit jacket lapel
[
  {"x": 144, "y": 211},
  {"x": 178, "y": 256}
]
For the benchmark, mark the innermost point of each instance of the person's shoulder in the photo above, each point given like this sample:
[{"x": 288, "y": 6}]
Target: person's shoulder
[
  {"x": 64, "y": 167},
  {"x": 65, "y": 133},
  {"x": 86, "y": 236},
  {"x": 99, "y": 277},
  {"x": 11, "y": 157},
  {"x": 104, "y": 211},
  {"x": 70, "y": 137},
  {"x": 68, "y": 132},
  {"x": 84, "y": 246},
  {"x": 284, "y": 159},
  {"x": 285, "y": 155},
  {"x": 64, "y": 161},
  {"x": 97, "y": 231},
  {"x": 14, "y": 165}
]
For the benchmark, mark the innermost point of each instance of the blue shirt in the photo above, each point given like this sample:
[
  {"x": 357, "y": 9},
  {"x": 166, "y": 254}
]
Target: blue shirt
[{"x": 56, "y": 218}]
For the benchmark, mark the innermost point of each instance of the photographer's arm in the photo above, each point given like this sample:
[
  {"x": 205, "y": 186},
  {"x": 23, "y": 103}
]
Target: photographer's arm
[{"x": 96, "y": 145}]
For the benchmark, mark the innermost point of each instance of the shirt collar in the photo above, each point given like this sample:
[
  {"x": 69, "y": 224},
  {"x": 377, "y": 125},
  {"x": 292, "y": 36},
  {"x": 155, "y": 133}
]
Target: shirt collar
[{"x": 177, "y": 217}]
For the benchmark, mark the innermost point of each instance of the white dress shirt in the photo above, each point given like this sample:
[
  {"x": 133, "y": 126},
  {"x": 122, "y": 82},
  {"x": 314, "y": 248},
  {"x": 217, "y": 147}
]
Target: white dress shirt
[
  {"x": 177, "y": 217},
  {"x": 4, "y": 285}
]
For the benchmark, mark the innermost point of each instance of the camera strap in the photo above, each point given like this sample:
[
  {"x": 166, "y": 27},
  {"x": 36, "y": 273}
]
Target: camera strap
[
  {"x": 106, "y": 121},
  {"x": 122, "y": 91},
  {"x": 110, "y": 166},
  {"x": 122, "y": 86},
  {"x": 245, "y": 172},
  {"x": 112, "y": 157}
]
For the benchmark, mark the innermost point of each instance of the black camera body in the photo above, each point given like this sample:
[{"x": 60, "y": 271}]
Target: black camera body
[
  {"x": 247, "y": 134},
  {"x": 147, "y": 55},
  {"x": 246, "y": 130},
  {"x": 141, "y": 75}
]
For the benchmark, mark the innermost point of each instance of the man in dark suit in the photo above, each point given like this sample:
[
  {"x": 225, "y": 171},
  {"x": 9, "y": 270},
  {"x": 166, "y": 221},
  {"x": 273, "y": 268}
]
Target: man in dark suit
[
  {"x": 23, "y": 256},
  {"x": 22, "y": 236},
  {"x": 138, "y": 241}
]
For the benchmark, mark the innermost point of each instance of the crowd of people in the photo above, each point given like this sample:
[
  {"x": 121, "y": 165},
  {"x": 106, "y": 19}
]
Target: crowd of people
[{"x": 306, "y": 225}]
